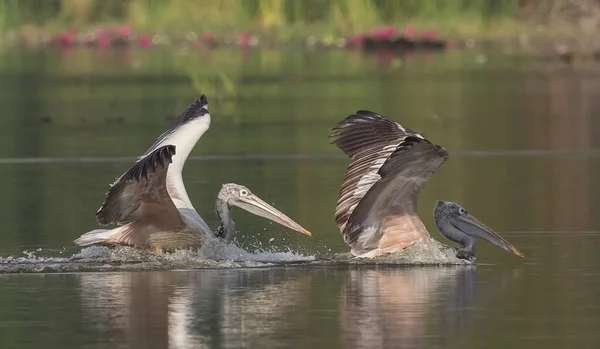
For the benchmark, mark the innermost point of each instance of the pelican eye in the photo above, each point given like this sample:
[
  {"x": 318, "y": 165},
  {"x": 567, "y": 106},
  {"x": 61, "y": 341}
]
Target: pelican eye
[
  {"x": 243, "y": 192},
  {"x": 462, "y": 211}
]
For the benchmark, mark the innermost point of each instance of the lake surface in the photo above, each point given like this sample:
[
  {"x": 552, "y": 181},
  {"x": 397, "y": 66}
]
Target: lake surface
[{"x": 525, "y": 159}]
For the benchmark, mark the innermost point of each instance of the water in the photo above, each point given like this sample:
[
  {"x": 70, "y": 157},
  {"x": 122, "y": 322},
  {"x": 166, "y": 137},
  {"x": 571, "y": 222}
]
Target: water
[{"x": 525, "y": 159}]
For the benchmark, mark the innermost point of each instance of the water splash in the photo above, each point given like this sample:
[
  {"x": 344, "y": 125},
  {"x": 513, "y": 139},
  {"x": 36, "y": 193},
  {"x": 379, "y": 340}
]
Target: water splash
[
  {"x": 216, "y": 250},
  {"x": 213, "y": 254}
]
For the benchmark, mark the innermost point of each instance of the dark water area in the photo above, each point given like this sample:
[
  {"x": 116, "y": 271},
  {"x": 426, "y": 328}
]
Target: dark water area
[{"x": 525, "y": 159}]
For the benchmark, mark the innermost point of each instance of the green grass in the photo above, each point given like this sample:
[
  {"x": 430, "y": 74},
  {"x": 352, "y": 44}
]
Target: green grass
[{"x": 284, "y": 19}]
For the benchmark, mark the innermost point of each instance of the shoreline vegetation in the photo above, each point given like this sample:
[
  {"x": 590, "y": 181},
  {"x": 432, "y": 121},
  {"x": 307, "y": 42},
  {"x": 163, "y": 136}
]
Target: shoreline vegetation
[{"x": 563, "y": 28}]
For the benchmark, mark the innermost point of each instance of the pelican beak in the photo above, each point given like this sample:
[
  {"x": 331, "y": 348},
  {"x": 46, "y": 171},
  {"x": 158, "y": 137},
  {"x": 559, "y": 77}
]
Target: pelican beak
[
  {"x": 472, "y": 226},
  {"x": 255, "y": 205}
]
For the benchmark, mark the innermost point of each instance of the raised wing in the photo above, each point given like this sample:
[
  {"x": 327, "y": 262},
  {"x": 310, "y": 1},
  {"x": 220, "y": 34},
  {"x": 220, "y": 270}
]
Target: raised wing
[
  {"x": 368, "y": 139},
  {"x": 180, "y": 128},
  {"x": 141, "y": 194},
  {"x": 390, "y": 206},
  {"x": 183, "y": 133}
]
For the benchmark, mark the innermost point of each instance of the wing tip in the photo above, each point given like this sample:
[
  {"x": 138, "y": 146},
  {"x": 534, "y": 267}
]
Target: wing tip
[
  {"x": 414, "y": 148},
  {"x": 203, "y": 99},
  {"x": 412, "y": 140},
  {"x": 369, "y": 123},
  {"x": 101, "y": 218},
  {"x": 198, "y": 108},
  {"x": 354, "y": 124},
  {"x": 102, "y": 214},
  {"x": 203, "y": 103},
  {"x": 359, "y": 115},
  {"x": 366, "y": 118}
]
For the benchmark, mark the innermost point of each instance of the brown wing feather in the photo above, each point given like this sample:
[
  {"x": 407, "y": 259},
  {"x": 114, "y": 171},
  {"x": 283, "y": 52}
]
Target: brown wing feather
[
  {"x": 141, "y": 193},
  {"x": 368, "y": 139},
  {"x": 403, "y": 176}
]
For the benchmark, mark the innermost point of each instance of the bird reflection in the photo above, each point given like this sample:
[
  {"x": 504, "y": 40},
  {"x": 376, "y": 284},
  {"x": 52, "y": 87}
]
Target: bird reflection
[
  {"x": 145, "y": 310},
  {"x": 402, "y": 308},
  {"x": 389, "y": 308},
  {"x": 263, "y": 316},
  {"x": 276, "y": 307},
  {"x": 192, "y": 309}
]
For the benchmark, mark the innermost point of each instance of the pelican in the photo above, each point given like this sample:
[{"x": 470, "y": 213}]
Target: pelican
[
  {"x": 151, "y": 206},
  {"x": 377, "y": 207}
]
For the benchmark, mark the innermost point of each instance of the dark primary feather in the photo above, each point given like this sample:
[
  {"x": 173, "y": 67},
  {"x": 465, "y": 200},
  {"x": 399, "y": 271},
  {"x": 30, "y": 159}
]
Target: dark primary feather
[
  {"x": 403, "y": 175},
  {"x": 367, "y": 130},
  {"x": 412, "y": 151},
  {"x": 368, "y": 139},
  {"x": 150, "y": 163},
  {"x": 124, "y": 197},
  {"x": 197, "y": 109}
]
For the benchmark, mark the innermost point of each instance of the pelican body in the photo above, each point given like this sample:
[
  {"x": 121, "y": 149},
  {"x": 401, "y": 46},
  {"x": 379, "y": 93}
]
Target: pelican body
[
  {"x": 151, "y": 207},
  {"x": 377, "y": 207}
]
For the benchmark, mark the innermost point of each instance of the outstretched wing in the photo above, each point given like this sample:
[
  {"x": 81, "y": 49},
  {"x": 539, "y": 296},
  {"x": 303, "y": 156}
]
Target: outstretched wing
[
  {"x": 184, "y": 133},
  {"x": 140, "y": 194},
  {"x": 392, "y": 200},
  {"x": 131, "y": 191},
  {"x": 368, "y": 139}
]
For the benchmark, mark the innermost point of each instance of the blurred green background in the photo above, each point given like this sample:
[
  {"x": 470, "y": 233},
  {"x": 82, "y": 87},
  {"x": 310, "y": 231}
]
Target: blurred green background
[{"x": 291, "y": 19}]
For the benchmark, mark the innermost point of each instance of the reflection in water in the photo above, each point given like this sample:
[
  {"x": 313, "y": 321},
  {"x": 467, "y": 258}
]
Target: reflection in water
[
  {"x": 260, "y": 315},
  {"x": 192, "y": 310},
  {"x": 394, "y": 308},
  {"x": 375, "y": 308},
  {"x": 390, "y": 308},
  {"x": 145, "y": 310}
]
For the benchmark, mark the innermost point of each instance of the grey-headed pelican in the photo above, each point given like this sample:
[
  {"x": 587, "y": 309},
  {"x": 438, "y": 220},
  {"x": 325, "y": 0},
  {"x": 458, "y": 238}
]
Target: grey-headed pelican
[{"x": 377, "y": 206}]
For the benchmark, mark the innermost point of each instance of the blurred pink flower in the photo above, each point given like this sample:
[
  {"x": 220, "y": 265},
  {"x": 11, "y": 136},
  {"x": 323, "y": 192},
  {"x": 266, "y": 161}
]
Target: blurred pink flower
[
  {"x": 244, "y": 39},
  {"x": 67, "y": 38},
  {"x": 126, "y": 30},
  {"x": 385, "y": 33},
  {"x": 145, "y": 41},
  {"x": 410, "y": 31},
  {"x": 357, "y": 39},
  {"x": 104, "y": 41}
]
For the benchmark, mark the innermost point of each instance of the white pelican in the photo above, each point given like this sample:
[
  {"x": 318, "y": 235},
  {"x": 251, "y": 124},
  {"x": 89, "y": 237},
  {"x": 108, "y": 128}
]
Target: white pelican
[
  {"x": 151, "y": 206},
  {"x": 377, "y": 207}
]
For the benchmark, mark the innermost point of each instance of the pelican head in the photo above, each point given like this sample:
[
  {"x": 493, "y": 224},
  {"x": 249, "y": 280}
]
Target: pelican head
[
  {"x": 456, "y": 224},
  {"x": 232, "y": 194}
]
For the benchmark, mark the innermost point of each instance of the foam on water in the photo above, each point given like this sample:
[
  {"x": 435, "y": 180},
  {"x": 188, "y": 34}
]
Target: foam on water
[
  {"x": 214, "y": 254},
  {"x": 427, "y": 253},
  {"x": 216, "y": 250}
]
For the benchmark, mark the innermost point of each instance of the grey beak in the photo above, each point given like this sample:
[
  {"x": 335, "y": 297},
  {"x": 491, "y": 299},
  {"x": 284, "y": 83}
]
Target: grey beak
[{"x": 473, "y": 227}]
